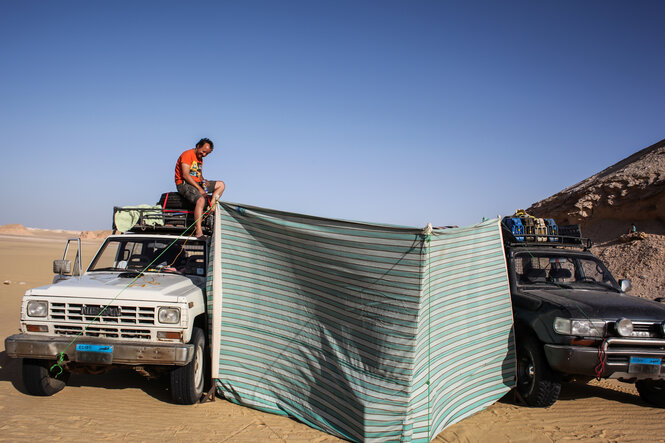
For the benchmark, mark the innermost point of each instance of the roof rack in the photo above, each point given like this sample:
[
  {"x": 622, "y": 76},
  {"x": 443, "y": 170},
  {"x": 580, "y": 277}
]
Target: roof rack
[
  {"x": 549, "y": 240},
  {"x": 160, "y": 221}
]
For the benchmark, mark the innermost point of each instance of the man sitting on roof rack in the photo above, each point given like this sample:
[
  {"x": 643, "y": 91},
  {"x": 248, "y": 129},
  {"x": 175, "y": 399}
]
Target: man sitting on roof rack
[{"x": 191, "y": 184}]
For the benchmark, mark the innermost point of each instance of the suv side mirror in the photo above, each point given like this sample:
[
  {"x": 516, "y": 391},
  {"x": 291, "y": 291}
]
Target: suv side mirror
[
  {"x": 625, "y": 285},
  {"x": 62, "y": 267}
]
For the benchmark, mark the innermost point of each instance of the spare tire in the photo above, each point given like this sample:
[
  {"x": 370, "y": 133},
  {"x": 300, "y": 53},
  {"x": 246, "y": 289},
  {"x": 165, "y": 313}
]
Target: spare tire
[{"x": 173, "y": 200}]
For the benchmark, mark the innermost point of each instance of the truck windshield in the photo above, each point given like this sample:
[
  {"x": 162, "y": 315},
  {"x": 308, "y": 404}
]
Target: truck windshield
[
  {"x": 556, "y": 270},
  {"x": 151, "y": 255}
]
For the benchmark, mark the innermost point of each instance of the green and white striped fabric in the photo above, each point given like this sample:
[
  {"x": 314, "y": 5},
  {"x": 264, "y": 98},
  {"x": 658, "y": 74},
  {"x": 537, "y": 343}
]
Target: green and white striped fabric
[{"x": 368, "y": 332}]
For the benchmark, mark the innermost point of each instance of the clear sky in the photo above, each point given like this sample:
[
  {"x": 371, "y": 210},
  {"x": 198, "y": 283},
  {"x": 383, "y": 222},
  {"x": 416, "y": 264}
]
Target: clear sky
[{"x": 401, "y": 112}]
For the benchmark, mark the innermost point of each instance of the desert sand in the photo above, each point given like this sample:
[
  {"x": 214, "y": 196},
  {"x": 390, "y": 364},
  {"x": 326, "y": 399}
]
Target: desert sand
[{"x": 124, "y": 406}]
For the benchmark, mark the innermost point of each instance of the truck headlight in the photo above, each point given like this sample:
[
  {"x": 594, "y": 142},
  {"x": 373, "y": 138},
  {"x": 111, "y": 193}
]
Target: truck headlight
[
  {"x": 581, "y": 328},
  {"x": 624, "y": 327},
  {"x": 562, "y": 326},
  {"x": 37, "y": 308},
  {"x": 169, "y": 315}
]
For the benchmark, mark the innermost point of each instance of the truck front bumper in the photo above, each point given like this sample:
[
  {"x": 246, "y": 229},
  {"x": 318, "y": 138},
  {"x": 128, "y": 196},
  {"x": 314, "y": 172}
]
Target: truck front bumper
[
  {"x": 617, "y": 352},
  {"x": 124, "y": 352}
]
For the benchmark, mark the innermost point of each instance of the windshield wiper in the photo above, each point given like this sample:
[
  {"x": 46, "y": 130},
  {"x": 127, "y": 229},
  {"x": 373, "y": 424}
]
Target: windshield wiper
[
  {"x": 164, "y": 270},
  {"x": 130, "y": 274},
  {"x": 108, "y": 268},
  {"x": 547, "y": 283},
  {"x": 597, "y": 283}
]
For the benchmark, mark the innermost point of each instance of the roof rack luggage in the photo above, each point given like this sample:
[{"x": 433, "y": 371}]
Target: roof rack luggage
[
  {"x": 522, "y": 228},
  {"x": 174, "y": 216}
]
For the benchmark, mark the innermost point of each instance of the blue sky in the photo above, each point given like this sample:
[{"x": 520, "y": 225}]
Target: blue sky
[{"x": 401, "y": 112}]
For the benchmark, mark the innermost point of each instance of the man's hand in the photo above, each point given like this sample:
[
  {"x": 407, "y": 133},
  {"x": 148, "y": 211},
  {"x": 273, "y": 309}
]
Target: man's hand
[{"x": 184, "y": 167}]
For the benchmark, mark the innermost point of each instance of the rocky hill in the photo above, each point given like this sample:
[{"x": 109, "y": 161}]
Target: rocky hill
[{"x": 607, "y": 205}]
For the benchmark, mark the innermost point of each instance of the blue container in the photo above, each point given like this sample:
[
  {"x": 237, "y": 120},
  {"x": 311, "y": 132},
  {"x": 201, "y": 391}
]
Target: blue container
[
  {"x": 552, "y": 229},
  {"x": 514, "y": 224}
]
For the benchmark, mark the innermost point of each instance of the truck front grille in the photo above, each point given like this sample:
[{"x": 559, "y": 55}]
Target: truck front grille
[
  {"x": 643, "y": 330},
  {"x": 129, "y": 315},
  {"x": 103, "y": 331}
]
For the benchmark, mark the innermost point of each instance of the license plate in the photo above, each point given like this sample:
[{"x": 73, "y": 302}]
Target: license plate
[
  {"x": 644, "y": 365},
  {"x": 94, "y": 310},
  {"x": 100, "y": 354}
]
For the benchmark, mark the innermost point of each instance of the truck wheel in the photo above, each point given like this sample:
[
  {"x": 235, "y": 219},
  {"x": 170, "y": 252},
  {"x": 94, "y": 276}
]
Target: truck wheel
[
  {"x": 538, "y": 385},
  {"x": 39, "y": 380},
  {"x": 187, "y": 381},
  {"x": 652, "y": 391}
]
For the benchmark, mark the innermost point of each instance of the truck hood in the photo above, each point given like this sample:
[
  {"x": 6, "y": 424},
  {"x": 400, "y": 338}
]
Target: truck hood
[
  {"x": 109, "y": 285},
  {"x": 600, "y": 304}
]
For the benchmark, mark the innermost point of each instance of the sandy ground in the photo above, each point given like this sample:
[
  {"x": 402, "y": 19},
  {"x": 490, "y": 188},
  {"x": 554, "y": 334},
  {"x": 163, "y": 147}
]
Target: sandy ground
[{"x": 124, "y": 406}]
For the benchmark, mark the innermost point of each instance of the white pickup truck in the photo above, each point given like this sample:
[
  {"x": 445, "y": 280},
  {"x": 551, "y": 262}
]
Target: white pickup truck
[{"x": 141, "y": 303}]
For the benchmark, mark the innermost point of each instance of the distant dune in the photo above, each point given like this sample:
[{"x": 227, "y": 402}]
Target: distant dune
[
  {"x": 95, "y": 235},
  {"x": 608, "y": 204},
  {"x": 20, "y": 230},
  {"x": 15, "y": 229}
]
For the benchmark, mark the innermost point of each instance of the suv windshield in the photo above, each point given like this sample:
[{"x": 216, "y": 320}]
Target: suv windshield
[
  {"x": 151, "y": 255},
  {"x": 557, "y": 270}
]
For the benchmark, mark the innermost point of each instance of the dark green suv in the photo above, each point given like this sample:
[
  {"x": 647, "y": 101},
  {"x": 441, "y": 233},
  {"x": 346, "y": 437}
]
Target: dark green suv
[{"x": 572, "y": 318}]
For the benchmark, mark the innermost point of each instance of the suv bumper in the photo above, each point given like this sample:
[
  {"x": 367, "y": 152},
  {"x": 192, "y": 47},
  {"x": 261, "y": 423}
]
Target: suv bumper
[
  {"x": 124, "y": 352},
  {"x": 583, "y": 360}
]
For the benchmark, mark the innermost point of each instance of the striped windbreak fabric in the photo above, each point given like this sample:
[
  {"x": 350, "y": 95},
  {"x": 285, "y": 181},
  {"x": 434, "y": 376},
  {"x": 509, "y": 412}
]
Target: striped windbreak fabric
[{"x": 368, "y": 332}]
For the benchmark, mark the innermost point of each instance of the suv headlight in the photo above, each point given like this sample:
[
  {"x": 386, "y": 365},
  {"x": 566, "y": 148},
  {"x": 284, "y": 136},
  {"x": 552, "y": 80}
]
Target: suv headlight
[
  {"x": 37, "y": 308},
  {"x": 582, "y": 328},
  {"x": 624, "y": 327},
  {"x": 169, "y": 315}
]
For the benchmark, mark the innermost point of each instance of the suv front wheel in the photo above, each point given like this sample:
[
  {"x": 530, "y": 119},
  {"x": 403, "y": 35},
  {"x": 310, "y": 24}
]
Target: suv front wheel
[
  {"x": 652, "y": 391},
  {"x": 187, "y": 381},
  {"x": 40, "y": 379},
  {"x": 538, "y": 385}
]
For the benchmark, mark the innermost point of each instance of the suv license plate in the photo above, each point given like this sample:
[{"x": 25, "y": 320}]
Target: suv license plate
[
  {"x": 644, "y": 365},
  {"x": 100, "y": 354}
]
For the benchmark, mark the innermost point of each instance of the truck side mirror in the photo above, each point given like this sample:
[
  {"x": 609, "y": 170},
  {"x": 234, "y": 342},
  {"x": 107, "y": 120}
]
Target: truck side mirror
[
  {"x": 62, "y": 267},
  {"x": 625, "y": 285}
]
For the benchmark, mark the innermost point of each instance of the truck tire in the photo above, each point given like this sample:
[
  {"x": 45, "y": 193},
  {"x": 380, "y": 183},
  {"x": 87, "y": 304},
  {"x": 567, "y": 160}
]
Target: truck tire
[
  {"x": 652, "y": 391},
  {"x": 39, "y": 380},
  {"x": 173, "y": 201},
  {"x": 187, "y": 381},
  {"x": 538, "y": 385}
]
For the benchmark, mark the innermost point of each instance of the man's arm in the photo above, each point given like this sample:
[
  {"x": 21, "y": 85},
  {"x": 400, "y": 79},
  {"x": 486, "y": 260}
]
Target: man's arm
[{"x": 184, "y": 168}]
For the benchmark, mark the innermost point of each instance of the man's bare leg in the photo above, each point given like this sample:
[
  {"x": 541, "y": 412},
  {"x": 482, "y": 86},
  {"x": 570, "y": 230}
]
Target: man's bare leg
[
  {"x": 198, "y": 212},
  {"x": 217, "y": 193}
]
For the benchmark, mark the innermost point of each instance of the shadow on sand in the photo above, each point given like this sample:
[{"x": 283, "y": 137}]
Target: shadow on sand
[
  {"x": 116, "y": 378},
  {"x": 577, "y": 390}
]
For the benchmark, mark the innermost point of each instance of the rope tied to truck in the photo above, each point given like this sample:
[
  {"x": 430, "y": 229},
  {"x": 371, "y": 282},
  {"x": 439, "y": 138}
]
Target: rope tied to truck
[{"x": 57, "y": 369}]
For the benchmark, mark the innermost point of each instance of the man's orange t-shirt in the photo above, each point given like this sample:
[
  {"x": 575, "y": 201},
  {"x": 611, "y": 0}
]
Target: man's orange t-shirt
[{"x": 195, "y": 166}]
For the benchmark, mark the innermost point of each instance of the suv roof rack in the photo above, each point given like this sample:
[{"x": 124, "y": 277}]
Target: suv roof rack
[
  {"x": 549, "y": 240},
  {"x": 156, "y": 220}
]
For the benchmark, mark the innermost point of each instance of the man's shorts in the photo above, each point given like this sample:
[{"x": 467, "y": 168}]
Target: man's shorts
[{"x": 191, "y": 194}]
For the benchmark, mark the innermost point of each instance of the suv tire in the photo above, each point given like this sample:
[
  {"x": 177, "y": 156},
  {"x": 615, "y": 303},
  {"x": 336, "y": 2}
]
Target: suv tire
[
  {"x": 538, "y": 385},
  {"x": 40, "y": 380},
  {"x": 187, "y": 381},
  {"x": 652, "y": 391}
]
